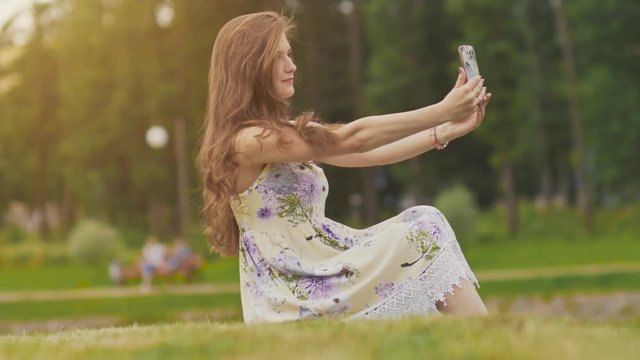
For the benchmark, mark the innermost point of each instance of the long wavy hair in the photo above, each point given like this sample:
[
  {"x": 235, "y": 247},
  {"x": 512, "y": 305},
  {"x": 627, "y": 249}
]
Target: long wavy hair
[{"x": 242, "y": 94}]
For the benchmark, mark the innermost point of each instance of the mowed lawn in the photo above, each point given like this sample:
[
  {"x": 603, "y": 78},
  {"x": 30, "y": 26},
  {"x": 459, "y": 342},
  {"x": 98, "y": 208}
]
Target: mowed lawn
[{"x": 438, "y": 337}]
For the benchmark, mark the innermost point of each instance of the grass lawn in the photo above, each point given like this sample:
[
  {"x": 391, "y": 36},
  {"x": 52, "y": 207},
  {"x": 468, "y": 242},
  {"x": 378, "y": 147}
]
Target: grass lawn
[
  {"x": 131, "y": 309},
  {"x": 81, "y": 276},
  {"x": 492, "y": 337},
  {"x": 561, "y": 285},
  {"x": 519, "y": 254}
]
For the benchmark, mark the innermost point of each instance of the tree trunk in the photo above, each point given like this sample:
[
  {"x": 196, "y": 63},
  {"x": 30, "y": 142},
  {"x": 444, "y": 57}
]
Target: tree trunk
[
  {"x": 510, "y": 199},
  {"x": 43, "y": 113},
  {"x": 181, "y": 131},
  {"x": 539, "y": 131},
  {"x": 583, "y": 181},
  {"x": 355, "y": 54},
  {"x": 564, "y": 184},
  {"x": 311, "y": 52},
  {"x": 183, "y": 180}
]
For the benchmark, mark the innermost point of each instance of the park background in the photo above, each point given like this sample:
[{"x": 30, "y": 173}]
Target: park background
[{"x": 544, "y": 196}]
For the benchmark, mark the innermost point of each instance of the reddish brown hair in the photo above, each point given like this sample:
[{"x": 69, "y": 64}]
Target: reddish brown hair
[{"x": 241, "y": 94}]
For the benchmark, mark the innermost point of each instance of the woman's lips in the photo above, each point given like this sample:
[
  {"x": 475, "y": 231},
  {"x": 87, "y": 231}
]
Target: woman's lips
[{"x": 288, "y": 81}]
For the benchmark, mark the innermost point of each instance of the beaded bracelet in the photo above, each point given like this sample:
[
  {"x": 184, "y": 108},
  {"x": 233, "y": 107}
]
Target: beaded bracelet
[{"x": 434, "y": 139}]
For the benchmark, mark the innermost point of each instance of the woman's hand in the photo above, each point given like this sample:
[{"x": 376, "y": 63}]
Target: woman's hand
[
  {"x": 463, "y": 99},
  {"x": 458, "y": 128}
]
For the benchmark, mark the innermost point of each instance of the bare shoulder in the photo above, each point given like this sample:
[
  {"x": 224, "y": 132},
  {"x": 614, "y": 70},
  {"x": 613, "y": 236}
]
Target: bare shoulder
[
  {"x": 246, "y": 143},
  {"x": 260, "y": 145}
]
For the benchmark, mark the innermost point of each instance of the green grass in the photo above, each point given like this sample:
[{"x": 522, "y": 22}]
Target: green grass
[
  {"x": 136, "y": 308},
  {"x": 564, "y": 285},
  {"x": 539, "y": 254},
  {"x": 492, "y": 337},
  {"x": 75, "y": 276}
]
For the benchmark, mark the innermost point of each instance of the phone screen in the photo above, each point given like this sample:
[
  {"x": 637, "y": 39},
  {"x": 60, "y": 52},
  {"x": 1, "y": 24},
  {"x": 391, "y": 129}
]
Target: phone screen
[{"x": 468, "y": 60}]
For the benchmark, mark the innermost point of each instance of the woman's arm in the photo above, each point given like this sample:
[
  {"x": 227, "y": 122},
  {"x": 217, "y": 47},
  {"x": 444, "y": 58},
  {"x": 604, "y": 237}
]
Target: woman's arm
[
  {"x": 412, "y": 145},
  {"x": 403, "y": 149},
  {"x": 362, "y": 135}
]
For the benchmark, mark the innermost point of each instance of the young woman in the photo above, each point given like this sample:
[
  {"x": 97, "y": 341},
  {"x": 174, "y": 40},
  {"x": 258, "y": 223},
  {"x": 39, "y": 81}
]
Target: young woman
[{"x": 264, "y": 195}]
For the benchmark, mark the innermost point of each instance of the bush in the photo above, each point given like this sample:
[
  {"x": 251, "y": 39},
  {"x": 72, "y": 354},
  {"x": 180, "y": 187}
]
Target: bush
[
  {"x": 94, "y": 243},
  {"x": 459, "y": 207},
  {"x": 32, "y": 254},
  {"x": 11, "y": 234}
]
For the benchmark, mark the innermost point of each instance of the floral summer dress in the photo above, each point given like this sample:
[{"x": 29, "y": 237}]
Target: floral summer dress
[{"x": 295, "y": 263}]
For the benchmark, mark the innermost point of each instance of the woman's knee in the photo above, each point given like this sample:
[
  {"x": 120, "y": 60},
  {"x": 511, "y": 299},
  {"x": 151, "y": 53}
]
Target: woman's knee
[{"x": 463, "y": 300}]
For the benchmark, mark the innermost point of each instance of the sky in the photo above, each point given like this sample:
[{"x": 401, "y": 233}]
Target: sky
[
  {"x": 22, "y": 24},
  {"x": 10, "y": 7}
]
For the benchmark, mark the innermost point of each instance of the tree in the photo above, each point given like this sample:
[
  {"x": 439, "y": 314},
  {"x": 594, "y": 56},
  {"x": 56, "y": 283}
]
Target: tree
[
  {"x": 583, "y": 178},
  {"x": 497, "y": 45}
]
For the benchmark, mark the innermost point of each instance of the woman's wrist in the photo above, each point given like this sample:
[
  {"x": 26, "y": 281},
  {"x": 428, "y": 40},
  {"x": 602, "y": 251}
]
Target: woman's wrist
[
  {"x": 443, "y": 133},
  {"x": 436, "y": 113},
  {"x": 437, "y": 137}
]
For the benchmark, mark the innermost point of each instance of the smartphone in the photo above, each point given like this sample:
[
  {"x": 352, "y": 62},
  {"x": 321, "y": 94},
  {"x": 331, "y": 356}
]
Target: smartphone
[{"x": 468, "y": 60}]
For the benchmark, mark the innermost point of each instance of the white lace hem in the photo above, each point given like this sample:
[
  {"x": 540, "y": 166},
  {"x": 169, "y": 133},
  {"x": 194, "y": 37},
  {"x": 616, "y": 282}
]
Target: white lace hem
[{"x": 420, "y": 295}]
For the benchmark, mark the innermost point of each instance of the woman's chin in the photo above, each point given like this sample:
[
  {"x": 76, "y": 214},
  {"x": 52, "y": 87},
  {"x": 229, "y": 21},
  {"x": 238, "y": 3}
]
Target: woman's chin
[{"x": 288, "y": 93}]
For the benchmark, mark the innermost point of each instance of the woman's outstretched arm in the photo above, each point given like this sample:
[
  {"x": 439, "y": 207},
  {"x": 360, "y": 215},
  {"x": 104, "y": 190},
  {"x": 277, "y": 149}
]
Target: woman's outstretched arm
[
  {"x": 412, "y": 145},
  {"x": 361, "y": 135}
]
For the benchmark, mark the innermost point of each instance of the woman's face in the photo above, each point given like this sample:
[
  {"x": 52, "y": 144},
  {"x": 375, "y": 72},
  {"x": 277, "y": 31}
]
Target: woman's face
[{"x": 283, "y": 70}]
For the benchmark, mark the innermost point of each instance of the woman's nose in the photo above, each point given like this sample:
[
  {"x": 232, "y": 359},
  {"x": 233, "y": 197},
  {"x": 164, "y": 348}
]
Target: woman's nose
[{"x": 291, "y": 67}]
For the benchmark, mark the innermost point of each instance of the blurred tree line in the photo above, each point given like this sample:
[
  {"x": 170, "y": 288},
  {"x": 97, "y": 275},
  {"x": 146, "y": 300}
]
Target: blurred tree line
[{"x": 563, "y": 127}]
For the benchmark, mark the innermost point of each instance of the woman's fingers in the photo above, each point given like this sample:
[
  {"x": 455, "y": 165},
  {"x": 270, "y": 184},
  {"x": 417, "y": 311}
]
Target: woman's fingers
[
  {"x": 486, "y": 100},
  {"x": 480, "y": 97},
  {"x": 462, "y": 75},
  {"x": 475, "y": 85}
]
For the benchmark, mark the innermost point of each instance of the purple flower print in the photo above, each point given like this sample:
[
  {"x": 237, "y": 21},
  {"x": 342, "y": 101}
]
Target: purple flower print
[
  {"x": 307, "y": 188},
  {"x": 384, "y": 289},
  {"x": 254, "y": 289},
  {"x": 349, "y": 241},
  {"x": 253, "y": 255},
  {"x": 317, "y": 287},
  {"x": 435, "y": 231},
  {"x": 327, "y": 230},
  {"x": 265, "y": 213},
  {"x": 412, "y": 214},
  {"x": 338, "y": 310},
  {"x": 306, "y": 313},
  {"x": 289, "y": 264},
  {"x": 267, "y": 194},
  {"x": 282, "y": 182}
]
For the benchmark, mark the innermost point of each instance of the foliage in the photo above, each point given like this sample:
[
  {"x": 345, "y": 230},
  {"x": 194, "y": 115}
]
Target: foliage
[
  {"x": 77, "y": 97},
  {"x": 33, "y": 254},
  {"x": 12, "y": 234},
  {"x": 458, "y": 206},
  {"x": 94, "y": 243}
]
